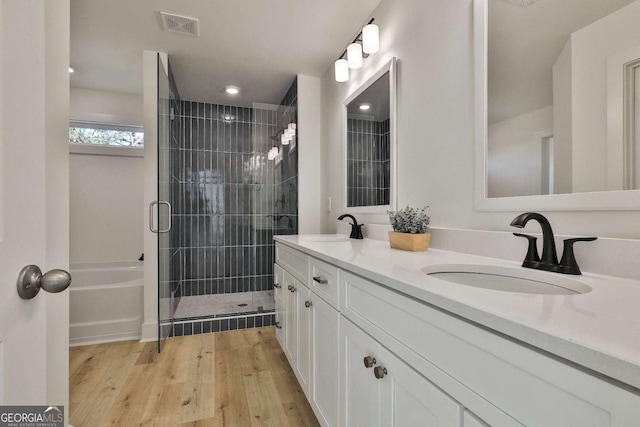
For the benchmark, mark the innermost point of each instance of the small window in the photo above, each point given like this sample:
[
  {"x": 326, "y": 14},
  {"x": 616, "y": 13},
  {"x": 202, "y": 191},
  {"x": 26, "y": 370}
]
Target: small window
[{"x": 106, "y": 134}]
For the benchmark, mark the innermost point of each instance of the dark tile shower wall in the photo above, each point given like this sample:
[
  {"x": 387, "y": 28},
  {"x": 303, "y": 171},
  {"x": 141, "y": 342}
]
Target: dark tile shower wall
[
  {"x": 225, "y": 209},
  {"x": 286, "y": 169},
  {"x": 173, "y": 284},
  {"x": 368, "y": 162}
]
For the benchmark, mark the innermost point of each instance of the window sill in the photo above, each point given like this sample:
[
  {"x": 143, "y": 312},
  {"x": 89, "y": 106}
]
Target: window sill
[{"x": 105, "y": 150}]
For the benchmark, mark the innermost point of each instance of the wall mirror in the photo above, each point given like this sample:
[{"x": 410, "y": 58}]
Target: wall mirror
[
  {"x": 370, "y": 143},
  {"x": 557, "y": 104}
]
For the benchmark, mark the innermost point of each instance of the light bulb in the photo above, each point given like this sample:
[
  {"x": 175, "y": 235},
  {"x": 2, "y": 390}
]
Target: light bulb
[
  {"x": 365, "y": 107},
  {"x": 232, "y": 90},
  {"x": 341, "y": 69},
  {"x": 370, "y": 38},
  {"x": 284, "y": 140},
  {"x": 354, "y": 55}
]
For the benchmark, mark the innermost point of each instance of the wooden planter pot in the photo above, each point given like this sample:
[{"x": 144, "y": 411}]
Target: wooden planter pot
[{"x": 409, "y": 242}]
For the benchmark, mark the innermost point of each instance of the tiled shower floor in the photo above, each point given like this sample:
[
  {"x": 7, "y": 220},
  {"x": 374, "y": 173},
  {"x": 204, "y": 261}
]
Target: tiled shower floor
[{"x": 223, "y": 304}]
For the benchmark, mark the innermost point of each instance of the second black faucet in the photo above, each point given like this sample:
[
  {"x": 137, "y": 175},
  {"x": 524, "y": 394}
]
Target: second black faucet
[{"x": 356, "y": 229}]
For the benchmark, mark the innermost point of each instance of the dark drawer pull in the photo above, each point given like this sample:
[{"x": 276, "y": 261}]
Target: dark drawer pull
[
  {"x": 320, "y": 280},
  {"x": 277, "y": 286}
]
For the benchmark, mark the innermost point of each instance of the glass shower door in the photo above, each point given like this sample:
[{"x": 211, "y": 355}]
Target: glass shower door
[{"x": 166, "y": 283}]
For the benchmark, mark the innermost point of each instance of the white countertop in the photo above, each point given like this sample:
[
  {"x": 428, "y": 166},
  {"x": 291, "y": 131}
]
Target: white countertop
[{"x": 599, "y": 330}]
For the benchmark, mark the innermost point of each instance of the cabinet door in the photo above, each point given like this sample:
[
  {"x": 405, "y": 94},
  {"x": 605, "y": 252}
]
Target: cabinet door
[
  {"x": 303, "y": 356},
  {"x": 325, "y": 396},
  {"x": 409, "y": 399},
  {"x": 360, "y": 390},
  {"x": 290, "y": 319},
  {"x": 279, "y": 287},
  {"x": 280, "y": 325}
]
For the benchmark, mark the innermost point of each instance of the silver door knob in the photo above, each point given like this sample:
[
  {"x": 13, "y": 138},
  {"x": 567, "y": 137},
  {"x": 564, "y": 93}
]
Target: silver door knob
[
  {"x": 369, "y": 361},
  {"x": 379, "y": 372},
  {"x": 31, "y": 280}
]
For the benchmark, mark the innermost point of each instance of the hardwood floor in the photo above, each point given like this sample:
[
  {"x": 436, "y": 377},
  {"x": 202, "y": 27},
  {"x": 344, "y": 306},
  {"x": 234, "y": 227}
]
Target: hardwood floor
[{"x": 237, "y": 378}]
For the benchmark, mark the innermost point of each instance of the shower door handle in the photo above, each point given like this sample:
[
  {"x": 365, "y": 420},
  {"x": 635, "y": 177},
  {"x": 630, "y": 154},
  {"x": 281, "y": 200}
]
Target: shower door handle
[{"x": 158, "y": 203}]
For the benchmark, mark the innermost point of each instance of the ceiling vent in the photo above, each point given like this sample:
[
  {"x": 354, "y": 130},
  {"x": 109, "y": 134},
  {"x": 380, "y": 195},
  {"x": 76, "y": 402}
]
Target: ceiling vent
[
  {"x": 179, "y": 24},
  {"x": 522, "y": 2}
]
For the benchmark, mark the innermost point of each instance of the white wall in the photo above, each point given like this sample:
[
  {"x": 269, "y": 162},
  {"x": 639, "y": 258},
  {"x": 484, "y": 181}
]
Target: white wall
[
  {"x": 433, "y": 42},
  {"x": 106, "y": 191},
  {"x": 591, "y": 46},
  {"x": 562, "y": 119},
  {"x": 514, "y": 167},
  {"x": 107, "y": 216},
  {"x": 107, "y": 107},
  {"x": 308, "y": 154}
]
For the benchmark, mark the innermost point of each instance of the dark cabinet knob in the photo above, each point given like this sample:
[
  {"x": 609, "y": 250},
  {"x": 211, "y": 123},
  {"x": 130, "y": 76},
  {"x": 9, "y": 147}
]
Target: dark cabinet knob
[
  {"x": 278, "y": 325},
  {"x": 369, "y": 361},
  {"x": 379, "y": 372},
  {"x": 308, "y": 304},
  {"x": 277, "y": 285}
]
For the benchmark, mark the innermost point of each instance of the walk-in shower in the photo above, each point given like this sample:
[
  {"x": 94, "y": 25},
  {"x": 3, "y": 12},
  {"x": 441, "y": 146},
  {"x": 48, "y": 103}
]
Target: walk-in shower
[{"x": 228, "y": 198}]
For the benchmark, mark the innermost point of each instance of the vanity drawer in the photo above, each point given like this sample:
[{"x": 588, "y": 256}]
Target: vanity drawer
[
  {"x": 293, "y": 261},
  {"x": 323, "y": 279},
  {"x": 531, "y": 387}
]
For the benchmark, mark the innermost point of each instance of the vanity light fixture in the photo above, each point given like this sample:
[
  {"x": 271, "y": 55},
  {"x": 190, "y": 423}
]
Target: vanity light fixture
[
  {"x": 365, "y": 107},
  {"x": 232, "y": 90},
  {"x": 341, "y": 68},
  {"x": 354, "y": 56},
  {"x": 370, "y": 38},
  {"x": 284, "y": 139},
  {"x": 365, "y": 43}
]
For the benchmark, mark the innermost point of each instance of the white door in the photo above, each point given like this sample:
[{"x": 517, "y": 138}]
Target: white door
[
  {"x": 325, "y": 398},
  {"x": 290, "y": 320},
  {"x": 34, "y": 195},
  {"x": 359, "y": 386},
  {"x": 409, "y": 399},
  {"x": 303, "y": 353}
]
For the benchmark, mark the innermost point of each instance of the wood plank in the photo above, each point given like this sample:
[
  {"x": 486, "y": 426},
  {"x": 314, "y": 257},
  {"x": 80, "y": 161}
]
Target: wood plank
[
  {"x": 261, "y": 394},
  {"x": 232, "y": 408},
  {"x": 235, "y": 378},
  {"x": 299, "y": 416},
  {"x": 198, "y": 394}
]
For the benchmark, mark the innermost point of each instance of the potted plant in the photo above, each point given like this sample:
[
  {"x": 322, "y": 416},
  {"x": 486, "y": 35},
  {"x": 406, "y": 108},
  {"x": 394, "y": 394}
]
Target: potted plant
[{"x": 410, "y": 226}]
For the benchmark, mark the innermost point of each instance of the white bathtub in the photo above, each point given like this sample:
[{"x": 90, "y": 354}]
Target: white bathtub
[{"x": 106, "y": 302}]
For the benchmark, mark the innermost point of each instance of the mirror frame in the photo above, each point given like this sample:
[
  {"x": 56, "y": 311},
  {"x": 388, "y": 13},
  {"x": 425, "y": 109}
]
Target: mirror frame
[
  {"x": 390, "y": 67},
  {"x": 619, "y": 200}
]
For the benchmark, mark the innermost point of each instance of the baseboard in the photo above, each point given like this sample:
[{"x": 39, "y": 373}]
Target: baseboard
[
  {"x": 149, "y": 332},
  {"x": 129, "y": 336}
]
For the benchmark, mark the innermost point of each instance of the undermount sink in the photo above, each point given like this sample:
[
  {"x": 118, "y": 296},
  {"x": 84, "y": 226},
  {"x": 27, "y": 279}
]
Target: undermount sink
[
  {"x": 327, "y": 238},
  {"x": 507, "y": 279}
]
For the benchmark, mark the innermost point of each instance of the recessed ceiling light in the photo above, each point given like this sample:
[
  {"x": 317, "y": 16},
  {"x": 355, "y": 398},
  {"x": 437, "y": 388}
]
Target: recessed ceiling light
[
  {"x": 231, "y": 90},
  {"x": 365, "y": 107},
  {"x": 70, "y": 70}
]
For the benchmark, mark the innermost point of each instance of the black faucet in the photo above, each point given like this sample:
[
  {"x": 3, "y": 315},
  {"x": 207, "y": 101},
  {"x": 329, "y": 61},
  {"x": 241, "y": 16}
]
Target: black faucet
[
  {"x": 549, "y": 261},
  {"x": 356, "y": 229}
]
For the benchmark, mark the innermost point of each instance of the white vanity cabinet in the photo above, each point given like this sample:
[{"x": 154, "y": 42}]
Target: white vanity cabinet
[{"x": 378, "y": 358}]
